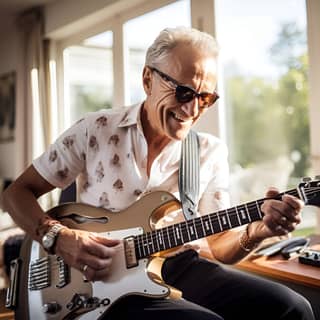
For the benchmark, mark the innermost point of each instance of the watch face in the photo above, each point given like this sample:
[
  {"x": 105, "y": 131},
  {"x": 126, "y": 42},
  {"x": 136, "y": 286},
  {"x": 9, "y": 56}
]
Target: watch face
[{"x": 47, "y": 241}]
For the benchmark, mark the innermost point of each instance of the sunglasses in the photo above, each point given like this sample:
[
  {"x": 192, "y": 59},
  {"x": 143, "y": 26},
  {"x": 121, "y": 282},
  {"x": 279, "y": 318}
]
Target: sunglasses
[{"x": 186, "y": 94}]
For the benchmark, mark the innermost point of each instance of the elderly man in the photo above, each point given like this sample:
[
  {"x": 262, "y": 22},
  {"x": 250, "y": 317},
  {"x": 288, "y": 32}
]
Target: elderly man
[{"x": 119, "y": 155}]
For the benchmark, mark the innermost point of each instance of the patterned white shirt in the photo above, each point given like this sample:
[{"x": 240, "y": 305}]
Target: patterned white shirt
[{"x": 106, "y": 152}]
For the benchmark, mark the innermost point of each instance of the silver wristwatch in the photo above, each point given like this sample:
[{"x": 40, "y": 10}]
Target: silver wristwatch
[{"x": 49, "y": 239}]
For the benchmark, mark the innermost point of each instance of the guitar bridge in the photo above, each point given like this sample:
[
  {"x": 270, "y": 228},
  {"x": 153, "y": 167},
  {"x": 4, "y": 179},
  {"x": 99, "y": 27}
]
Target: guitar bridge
[{"x": 130, "y": 252}]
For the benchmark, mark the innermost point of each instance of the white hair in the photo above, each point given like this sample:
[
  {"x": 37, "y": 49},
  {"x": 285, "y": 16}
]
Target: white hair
[{"x": 169, "y": 38}]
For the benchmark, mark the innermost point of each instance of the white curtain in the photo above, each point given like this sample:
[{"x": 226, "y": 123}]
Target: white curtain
[{"x": 37, "y": 86}]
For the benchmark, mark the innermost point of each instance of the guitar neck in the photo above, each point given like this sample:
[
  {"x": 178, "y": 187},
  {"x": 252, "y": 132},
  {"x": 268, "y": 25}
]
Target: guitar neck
[{"x": 178, "y": 234}]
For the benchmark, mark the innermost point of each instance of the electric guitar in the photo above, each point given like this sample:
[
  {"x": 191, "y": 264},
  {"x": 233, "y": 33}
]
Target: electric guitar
[{"x": 44, "y": 287}]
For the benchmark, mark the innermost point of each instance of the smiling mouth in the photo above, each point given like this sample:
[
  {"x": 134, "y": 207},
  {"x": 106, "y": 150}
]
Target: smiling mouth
[{"x": 179, "y": 118}]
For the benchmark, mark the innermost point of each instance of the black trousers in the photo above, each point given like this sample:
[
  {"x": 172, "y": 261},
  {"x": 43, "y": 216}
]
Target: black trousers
[{"x": 211, "y": 291}]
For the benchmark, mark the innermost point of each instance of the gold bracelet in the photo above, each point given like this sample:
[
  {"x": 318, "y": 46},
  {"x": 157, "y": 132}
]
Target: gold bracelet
[{"x": 245, "y": 242}]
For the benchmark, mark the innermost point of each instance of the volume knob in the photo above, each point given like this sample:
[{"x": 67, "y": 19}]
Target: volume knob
[{"x": 51, "y": 307}]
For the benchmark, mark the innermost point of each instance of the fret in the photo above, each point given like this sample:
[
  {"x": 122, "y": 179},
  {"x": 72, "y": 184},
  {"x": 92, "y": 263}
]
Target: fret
[
  {"x": 233, "y": 218},
  {"x": 174, "y": 235},
  {"x": 142, "y": 245},
  {"x": 209, "y": 217},
  {"x": 238, "y": 216},
  {"x": 145, "y": 243},
  {"x": 202, "y": 228},
  {"x": 169, "y": 246},
  {"x": 160, "y": 238},
  {"x": 181, "y": 233},
  {"x": 215, "y": 223},
  {"x": 207, "y": 225},
  {"x": 191, "y": 230},
  {"x": 243, "y": 214},
  {"x": 224, "y": 220},
  {"x": 248, "y": 213},
  {"x": 195, "y": 228},
  {"x": 139, "y": 246},
  {"x": 177, "y": 232},
  {"x": 218, "y": 218},
  {"x": 151, "y": 241},
  {"x": 228, "y": 217},
  {"x": 157, "y": 240},
  {"x": 188, "y": 233},
  {"x": 254, "y": 211},
  {"x": 184, "y": 232},
  {"x": 259, "y": 210}
]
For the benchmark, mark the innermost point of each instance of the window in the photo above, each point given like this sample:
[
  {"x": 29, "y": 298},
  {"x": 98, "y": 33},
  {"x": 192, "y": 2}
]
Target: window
[
  {"x": 264, "y": 61},
  {"x": 88, "y": 76},
  {"x": 263, "y": 110}
]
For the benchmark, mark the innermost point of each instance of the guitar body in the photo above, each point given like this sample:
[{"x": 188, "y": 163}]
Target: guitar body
[
  {"x": 51, "y": 290},
  {"x": 48, "y": 289}
]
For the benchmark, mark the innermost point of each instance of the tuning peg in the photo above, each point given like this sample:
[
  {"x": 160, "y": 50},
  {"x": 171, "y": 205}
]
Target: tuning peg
[
  {"x": 317, "y": 177},
  {"x": 306, "y": 179}
]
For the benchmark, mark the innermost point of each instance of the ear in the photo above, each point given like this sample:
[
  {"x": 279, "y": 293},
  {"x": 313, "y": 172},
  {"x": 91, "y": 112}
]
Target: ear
[{"x": 147, "y": 80}]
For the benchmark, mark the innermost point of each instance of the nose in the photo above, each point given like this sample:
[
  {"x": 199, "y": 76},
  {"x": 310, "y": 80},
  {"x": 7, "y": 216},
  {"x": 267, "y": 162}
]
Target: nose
[{"x": 191, "y": 108}]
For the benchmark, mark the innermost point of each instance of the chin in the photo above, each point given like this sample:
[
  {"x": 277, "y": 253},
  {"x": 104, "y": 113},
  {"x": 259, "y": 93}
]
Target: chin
[{"x": 179, "y": 135}]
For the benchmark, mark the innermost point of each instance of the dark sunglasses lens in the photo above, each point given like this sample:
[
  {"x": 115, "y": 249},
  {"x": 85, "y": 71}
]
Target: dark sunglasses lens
[
  {"x": 184, "y": 94},
  {"x": 207, "y": 99}
]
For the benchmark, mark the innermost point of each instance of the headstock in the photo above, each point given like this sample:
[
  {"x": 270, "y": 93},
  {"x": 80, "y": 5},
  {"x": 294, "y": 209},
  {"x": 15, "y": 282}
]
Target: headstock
[{"x": 310, "y": 191}]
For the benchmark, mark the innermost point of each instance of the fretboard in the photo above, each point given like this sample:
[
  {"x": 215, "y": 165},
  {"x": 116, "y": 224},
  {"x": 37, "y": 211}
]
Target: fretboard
[{"x": 178, "y": 234}]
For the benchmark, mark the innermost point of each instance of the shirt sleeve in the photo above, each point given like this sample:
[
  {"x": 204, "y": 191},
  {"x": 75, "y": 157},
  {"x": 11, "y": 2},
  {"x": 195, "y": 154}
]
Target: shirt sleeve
[{"x": 61, "y": 163}]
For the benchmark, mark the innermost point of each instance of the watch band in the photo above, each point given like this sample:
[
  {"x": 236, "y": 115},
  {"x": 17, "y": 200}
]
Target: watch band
[{"x": 51, "y": 237}]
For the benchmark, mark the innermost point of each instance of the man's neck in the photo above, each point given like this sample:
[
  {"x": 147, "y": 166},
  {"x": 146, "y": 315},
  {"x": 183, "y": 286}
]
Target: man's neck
[{"x": 155, "y": 141}]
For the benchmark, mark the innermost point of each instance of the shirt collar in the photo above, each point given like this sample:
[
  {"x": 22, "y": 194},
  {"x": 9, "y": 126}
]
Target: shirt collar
[{"x": 131, "y": 116}]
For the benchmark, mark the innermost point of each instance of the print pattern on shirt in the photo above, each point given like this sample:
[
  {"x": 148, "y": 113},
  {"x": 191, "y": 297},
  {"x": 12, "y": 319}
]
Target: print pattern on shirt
[
  {"x": 104, "y": 200},
  {"x": 137, "y": 192},
  {"x": 101, "y": 121},
  {"x": 114, "y": 139},
  {"x": 115, "y": 160},
  {"x": 118, "y": 185},
  {"x": 99, "y": 172},
  {"x": 85, "y": 186},
  {"x": 53, "y": 156},
  {"x": 68, "y": 141},
  {"x": 63, "y": 174},
  {"x": 93, "y": 143},
  {"x": 124, "y": 179}
]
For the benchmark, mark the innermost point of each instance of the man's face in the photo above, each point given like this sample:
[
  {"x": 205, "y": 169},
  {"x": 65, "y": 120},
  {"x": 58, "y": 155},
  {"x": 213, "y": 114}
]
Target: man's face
[{"x": 188, "y": 66}]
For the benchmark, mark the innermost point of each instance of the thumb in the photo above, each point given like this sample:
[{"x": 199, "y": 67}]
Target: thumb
[{"x": 105, "y": 241}]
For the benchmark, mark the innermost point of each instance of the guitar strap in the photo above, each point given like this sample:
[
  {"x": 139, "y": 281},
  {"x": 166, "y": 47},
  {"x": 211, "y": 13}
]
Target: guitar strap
[{"x": 189, "y": 175}]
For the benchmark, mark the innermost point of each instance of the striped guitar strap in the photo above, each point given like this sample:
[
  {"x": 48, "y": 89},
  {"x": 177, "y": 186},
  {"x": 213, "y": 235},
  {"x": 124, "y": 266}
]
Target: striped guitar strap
[{"x": 189, "y": 175}]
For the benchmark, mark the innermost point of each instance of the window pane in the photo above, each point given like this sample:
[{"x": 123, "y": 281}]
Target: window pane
[
  {"x": 88, "y": 76},
  {"x": 139, "y": 38},
  {"x": 264, "y": 60}
]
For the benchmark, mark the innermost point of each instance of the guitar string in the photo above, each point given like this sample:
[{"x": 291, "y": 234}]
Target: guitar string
[{"x": 151, "y": 237}]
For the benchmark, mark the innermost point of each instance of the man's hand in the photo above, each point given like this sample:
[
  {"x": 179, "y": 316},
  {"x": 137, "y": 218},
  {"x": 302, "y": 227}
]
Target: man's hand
[
  {"x": 87, "y": 252},
  {"x": 280, "y": 216}
]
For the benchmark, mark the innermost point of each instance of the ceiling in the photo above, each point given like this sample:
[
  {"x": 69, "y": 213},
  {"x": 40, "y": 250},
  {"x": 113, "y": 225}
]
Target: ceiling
[{"x": 12, "y": 7}]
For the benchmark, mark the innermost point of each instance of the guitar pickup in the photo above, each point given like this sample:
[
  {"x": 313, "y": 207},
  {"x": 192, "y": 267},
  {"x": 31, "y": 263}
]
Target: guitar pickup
[
  {"x": 11, "y": 296},
  {"x": 130, "y": 252}
]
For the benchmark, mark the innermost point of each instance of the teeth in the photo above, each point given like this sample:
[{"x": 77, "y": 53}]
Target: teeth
[{"x": 179, "y": 118}]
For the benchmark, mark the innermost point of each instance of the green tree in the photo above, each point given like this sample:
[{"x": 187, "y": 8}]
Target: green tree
[{"x": 272, "y": 119}]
